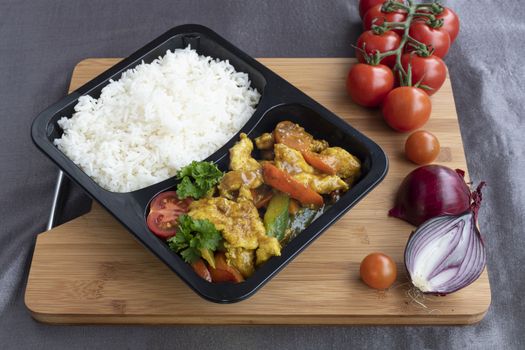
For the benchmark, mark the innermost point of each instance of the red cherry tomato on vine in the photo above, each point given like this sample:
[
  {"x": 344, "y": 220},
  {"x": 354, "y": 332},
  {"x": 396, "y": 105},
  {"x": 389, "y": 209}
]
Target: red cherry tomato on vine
[
  {"x": 450, "y": 23},
  {"x": 378, "y": 43},
  {"x": 406, "y": 108},
  {"x": 430, "y": 71},
  {"x": 365, "y": 5},
  {"x": 422, "y": 147},
  {"x": 369, "y": 85},
  {"x": 437, "y": 38},
  {"x": 378, "y": 271},
  {"x": 375, "y": 13}
]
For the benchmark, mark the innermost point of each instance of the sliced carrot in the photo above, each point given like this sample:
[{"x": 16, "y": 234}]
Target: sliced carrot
[
  {"x": 284, "y": 182},
  {"x": 200, "y": 269},
  {"x": 324, "y": 163}
]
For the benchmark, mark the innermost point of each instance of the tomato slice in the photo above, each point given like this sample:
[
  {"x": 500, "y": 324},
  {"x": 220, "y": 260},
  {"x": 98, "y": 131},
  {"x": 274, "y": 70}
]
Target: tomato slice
[
  {"x": 169, "y": 200},
  {"x": 165, "y": 209},
  {"x": 224, "y": 272},
  {"x": 200, "y": 269}
]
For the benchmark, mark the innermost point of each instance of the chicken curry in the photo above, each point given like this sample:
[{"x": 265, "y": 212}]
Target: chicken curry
[{"x": 227, "y": 224}]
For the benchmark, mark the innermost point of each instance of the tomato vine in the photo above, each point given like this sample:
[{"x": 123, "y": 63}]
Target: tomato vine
[{"x": 426, "y": 13}]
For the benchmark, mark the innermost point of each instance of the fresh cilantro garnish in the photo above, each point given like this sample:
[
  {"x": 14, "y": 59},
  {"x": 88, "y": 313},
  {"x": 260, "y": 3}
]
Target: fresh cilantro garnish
[
  {"x": 192, "y": 236},
  {"x": 197, "y": 179}
]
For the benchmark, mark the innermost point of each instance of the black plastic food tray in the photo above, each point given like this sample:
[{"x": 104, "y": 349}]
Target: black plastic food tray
[{"x": 280, "y": 101}]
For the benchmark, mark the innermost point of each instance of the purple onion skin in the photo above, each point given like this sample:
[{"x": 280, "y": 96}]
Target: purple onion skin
[
  {"x": 475, "y": 270},
  {"x": 430, "y": 191}
]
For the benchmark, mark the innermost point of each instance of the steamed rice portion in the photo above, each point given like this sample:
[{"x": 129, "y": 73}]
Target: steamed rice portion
[{"x": 157, "y": 118}]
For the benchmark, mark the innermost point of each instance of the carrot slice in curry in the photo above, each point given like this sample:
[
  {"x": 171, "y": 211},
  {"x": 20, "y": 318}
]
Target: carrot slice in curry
[
  {"x": 326, "y": 164},
  {"x": 284, "y": 182}
]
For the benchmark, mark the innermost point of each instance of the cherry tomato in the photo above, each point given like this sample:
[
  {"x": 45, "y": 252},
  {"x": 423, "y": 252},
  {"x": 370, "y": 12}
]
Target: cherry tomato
[
  {"x": 375, "y": 13},
  {"x": 164, "y": 211},
  {"x": 224, "y": 272},
  {"x": 430, "y": 71},
  {"x": 378, "y": 271},
  {"x": 369, "y": 85},
  {"x": 422, "y": 147},
  {"x": 450, "y": 23},
  {"x": 365, "y": 5},
  {"x": 372, "y": 43},
  {"x": 200, "y": 269},
  {"x": 437, "y": 38},
  {"x": 406, "y": 108}
]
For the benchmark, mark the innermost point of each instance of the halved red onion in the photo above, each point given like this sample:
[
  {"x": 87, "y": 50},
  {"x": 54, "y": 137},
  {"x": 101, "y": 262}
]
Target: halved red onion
[{"x": 446, "y": 253}]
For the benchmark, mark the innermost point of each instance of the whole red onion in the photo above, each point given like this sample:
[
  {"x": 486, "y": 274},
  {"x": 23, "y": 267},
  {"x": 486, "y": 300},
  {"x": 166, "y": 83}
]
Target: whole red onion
[{"x": 430, "y": 191}]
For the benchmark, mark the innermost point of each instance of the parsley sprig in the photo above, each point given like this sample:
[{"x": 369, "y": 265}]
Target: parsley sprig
[
  {"x": 198, "y": 179},
  {"x": 193, "y": 236}
]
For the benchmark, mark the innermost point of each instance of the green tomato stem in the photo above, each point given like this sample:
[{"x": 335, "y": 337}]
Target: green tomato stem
[
  {"x": 427, "y": 15},
  {"x": 405, "y": 76},
  {"x": 416, "y": 43}
]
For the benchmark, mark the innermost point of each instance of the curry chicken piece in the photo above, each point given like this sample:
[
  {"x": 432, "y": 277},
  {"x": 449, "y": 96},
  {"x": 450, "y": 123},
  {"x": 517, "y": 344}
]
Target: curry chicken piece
[
  {"x": 265, "y": 141},
  {"x": 236, "y": 179},
  {"x": 242, "y": 259},
  {"x": 268, "y": 247},
  {"x": 241, "y": 227},
  {"x": 292, "y": 132},
  {"x": 241, "y": 155},
  {"x": 292, "y": 161},
  {"x": 346, "y": 164},
  {"x": 246, "y": 171},
  {"x": 294, "y": 135},
  {"x": 321, "y": 183},
  {"x": 239, "y": 222},
  {"x": 318, "y": 145}
]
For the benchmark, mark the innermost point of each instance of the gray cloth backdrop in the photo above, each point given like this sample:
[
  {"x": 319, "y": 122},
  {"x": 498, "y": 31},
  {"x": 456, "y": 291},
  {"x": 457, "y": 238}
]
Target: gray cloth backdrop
[{"x": 42, "y": 40}]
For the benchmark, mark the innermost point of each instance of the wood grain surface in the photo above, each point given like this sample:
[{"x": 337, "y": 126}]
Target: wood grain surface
[{"x": 91, "y": 270}]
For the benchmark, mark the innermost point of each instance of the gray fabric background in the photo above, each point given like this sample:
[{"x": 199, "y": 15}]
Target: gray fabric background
[{"x": 42, "y": 40}]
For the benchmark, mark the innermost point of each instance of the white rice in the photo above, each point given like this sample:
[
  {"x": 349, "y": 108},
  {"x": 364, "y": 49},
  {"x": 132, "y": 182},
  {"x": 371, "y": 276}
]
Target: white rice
[{"x": 157, "y": 118}]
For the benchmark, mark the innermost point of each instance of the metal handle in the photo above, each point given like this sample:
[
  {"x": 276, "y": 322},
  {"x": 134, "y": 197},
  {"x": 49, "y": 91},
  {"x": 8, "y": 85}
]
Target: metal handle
[{"x": 56, "y": 200}]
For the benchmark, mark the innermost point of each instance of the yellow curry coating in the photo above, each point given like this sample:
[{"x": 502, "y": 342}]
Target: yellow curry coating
[
  {"x": 241, "y": 155},
  {"x": 290, "y": 160},
  {"x": 265, "y": 141},
  {"x": 234, "y": 213},
  {"x": 268, "y": 247},
  {"x": 242, "y": 259},
  {"x": 239, "y": 222},
  {"x": 240, "y": 226},
  {"x": 346, "y": 164},
  {"x": 321, "y": 183},
  {"x": 318, "y": 145},
  {"x": 246, "y": 171}
]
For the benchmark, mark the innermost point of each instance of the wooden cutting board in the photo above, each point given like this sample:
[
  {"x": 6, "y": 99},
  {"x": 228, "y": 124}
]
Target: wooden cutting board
[{"x": 90, "y": 270}]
